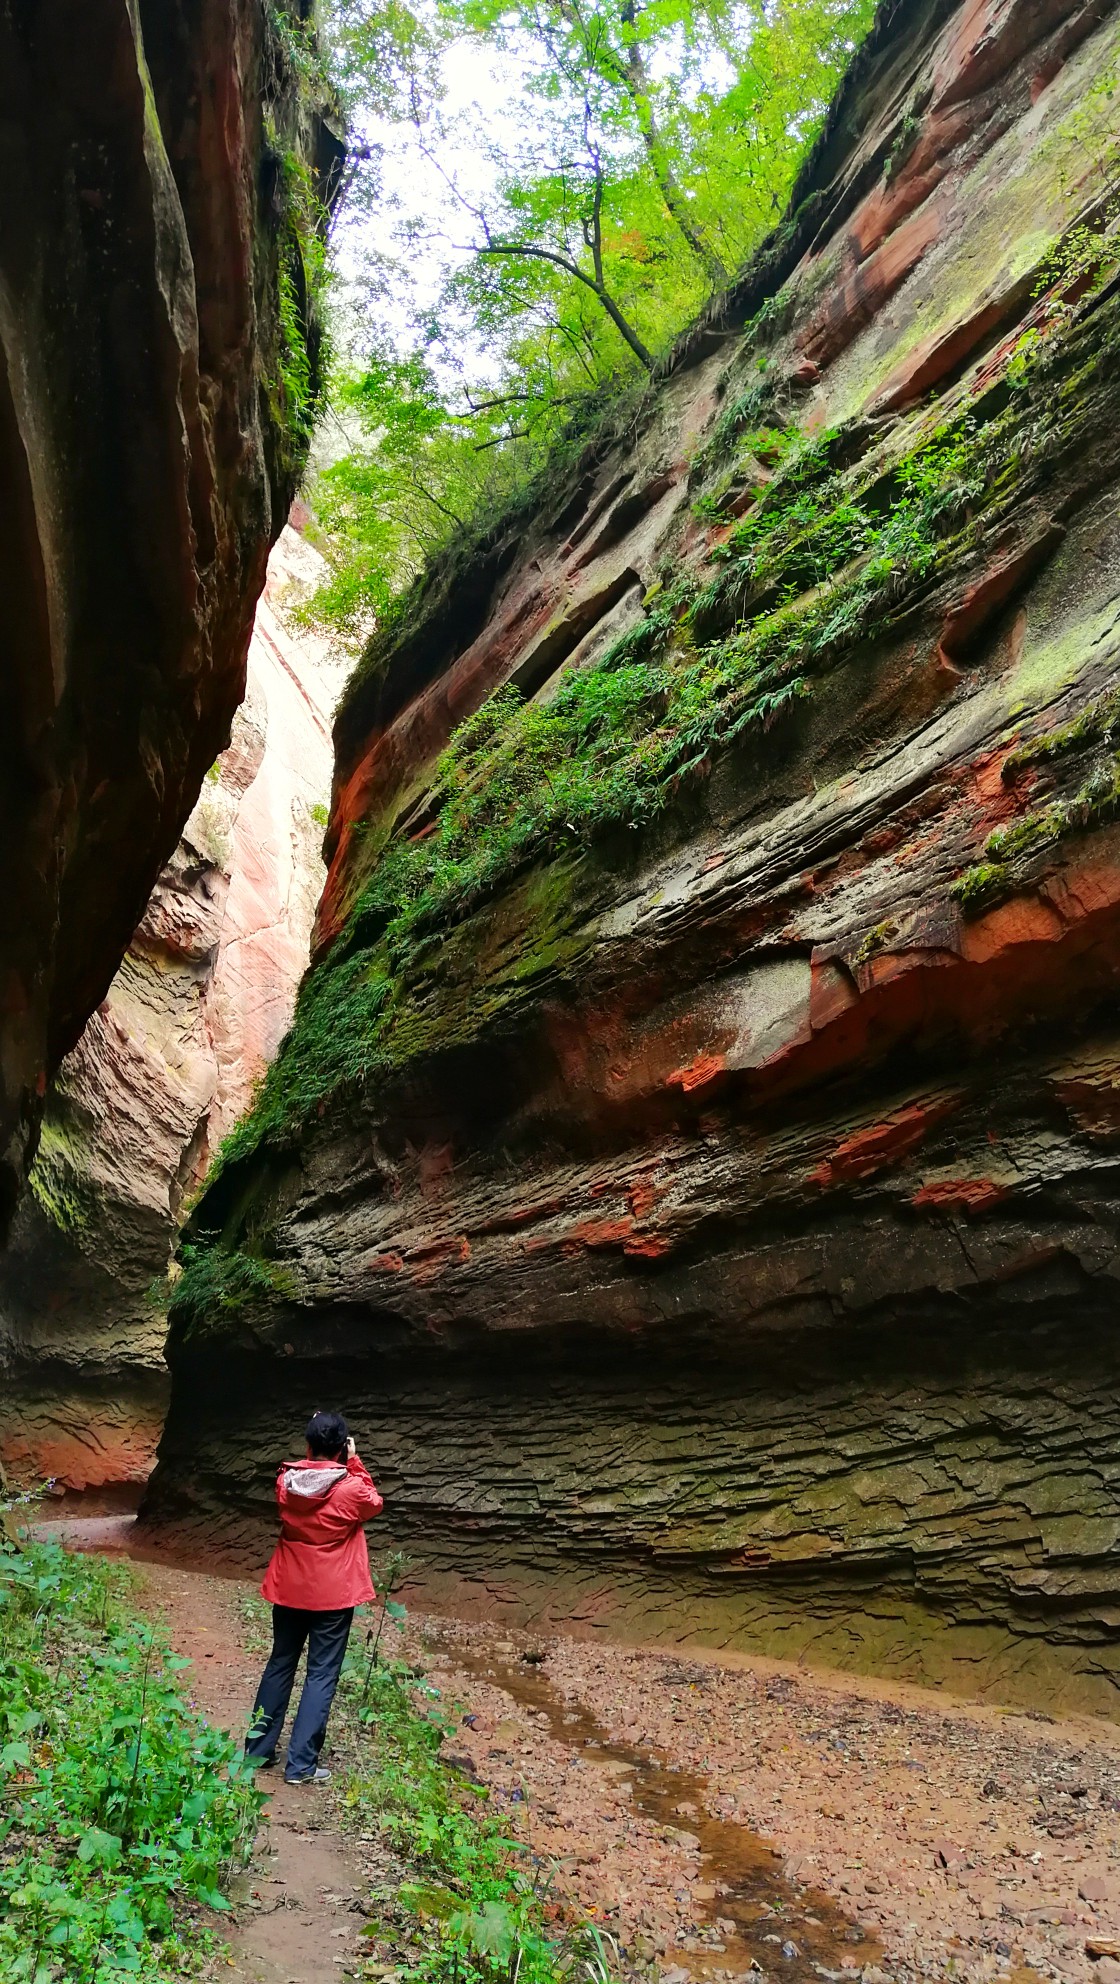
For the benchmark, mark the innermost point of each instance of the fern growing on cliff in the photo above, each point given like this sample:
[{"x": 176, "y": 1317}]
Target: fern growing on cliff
[{"x": 845, "y": 554}]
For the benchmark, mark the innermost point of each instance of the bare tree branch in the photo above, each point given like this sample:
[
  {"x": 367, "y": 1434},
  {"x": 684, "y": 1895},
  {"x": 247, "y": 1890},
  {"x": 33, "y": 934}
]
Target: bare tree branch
[
  {"x": 518, "y": 434},
  {"x": 530, "y": 250}
]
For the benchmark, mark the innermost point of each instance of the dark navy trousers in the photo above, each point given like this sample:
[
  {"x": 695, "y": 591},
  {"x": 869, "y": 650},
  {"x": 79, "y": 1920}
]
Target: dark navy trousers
[{"x": 325, "y": 1635}]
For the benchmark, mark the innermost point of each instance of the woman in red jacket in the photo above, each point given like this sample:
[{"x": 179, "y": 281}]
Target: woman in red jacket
[{"x": 318, "y": 1574}]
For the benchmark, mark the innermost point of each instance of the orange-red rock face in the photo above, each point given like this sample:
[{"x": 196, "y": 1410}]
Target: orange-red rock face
[
  {"x": 163, "y": 1068},
  {"x": 145, "y": 469},
  {"x": 730, "y": 1242}
]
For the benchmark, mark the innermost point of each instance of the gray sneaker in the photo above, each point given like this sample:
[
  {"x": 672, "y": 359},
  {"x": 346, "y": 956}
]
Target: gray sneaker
[{"x": 317, "y": 1776}]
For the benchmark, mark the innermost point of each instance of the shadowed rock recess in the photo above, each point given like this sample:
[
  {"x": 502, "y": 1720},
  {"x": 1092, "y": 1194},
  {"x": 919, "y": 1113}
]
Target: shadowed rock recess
[
  {"x": 163, "y": 1069},
  {"x": 694, "y": 1161},
  {"x": 163, "y": 169}
]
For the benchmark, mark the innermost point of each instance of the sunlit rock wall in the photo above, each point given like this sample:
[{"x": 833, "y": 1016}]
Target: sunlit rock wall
[
  {"x": 726, "y": 1238},
  {"x": 165, "y": 1065}
]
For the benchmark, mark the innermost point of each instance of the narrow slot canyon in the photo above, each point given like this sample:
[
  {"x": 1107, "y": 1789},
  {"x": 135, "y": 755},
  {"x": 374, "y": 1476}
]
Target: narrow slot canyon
[{"x": 626, "y": 1011}]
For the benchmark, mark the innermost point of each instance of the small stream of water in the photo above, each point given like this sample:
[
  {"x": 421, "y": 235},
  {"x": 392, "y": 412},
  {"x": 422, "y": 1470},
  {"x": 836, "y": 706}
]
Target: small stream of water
[{"x": 791, "y": 1933}]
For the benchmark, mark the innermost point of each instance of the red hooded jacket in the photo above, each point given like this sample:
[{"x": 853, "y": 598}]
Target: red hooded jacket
[{"x": 321, "y": 1563}]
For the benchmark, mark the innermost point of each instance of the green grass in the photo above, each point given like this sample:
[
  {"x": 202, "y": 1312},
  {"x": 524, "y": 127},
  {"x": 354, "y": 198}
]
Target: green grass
[
  {"x": 214, "y": 1284},
  {"x": 121, "y": 1809}
]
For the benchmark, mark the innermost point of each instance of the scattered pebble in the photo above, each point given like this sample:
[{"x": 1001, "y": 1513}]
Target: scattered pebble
[{"x": 972, "y": 1843}]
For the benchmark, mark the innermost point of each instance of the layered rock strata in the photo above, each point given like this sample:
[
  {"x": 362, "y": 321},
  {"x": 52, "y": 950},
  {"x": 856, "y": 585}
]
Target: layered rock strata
[
  {"x": 710, "y": 1218},
  {"x": 163, "y": 1069},
  {"x": 153, "y": 307}
]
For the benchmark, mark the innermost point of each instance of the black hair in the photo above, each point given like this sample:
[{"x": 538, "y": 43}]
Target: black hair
[{"x": 327, "y": 1434}]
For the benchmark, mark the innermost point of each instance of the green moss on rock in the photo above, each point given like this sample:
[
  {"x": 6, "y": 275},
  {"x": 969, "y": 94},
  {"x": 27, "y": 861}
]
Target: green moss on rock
[
  {"x": 1011, "y": 852},
  {"x": 831, "y": 558},
  {"x": 59, "y": 1178},
  {"x": 217, "y": 1282},
  {"x": 1098, "y": 722}
]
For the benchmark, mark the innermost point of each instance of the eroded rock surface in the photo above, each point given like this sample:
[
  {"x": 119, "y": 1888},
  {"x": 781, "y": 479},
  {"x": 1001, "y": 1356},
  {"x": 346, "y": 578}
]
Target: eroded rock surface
[
  {"x": 167, "y": 1062},
  {"x": 716, "y": 1231},
  {"x": 148, "y": 454}
]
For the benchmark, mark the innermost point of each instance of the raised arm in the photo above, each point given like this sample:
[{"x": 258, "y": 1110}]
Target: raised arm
[{"x": 364, "y": 1497}]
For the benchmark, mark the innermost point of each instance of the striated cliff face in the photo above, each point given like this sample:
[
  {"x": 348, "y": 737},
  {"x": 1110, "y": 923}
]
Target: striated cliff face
[
  {"x": 163, "y": 1068},
  {"x": 153, "y": 307},
  {"x": 695, "y": 1161}
]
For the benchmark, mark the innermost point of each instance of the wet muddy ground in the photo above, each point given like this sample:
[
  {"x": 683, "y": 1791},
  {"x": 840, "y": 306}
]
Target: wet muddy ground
[
  {"x": 739, "y": 1918},
  {"x": 731, "y": 1816}
]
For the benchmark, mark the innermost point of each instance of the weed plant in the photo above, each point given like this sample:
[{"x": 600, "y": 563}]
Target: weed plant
[
  {"x": 120, "y": 1807},
  {"x": 214, "y": 1284},
  {"x": 295, "y": 385},
  {"x": 478, "y": 1908}
]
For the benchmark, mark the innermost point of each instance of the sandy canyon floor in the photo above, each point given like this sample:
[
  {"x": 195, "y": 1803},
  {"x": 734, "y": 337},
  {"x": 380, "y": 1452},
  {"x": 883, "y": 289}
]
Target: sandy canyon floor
[{"x": 719, "y": 1817}]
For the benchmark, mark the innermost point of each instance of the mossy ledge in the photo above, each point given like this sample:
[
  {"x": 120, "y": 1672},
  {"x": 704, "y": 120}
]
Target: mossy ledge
[{"x": 826, "y": 561}]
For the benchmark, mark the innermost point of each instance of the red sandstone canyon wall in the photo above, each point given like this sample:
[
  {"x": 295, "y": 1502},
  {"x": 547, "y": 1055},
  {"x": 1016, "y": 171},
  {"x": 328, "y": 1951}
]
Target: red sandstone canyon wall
[
  {"x": 147, "y": 459},
  {"x": 705, "y": 1199}
]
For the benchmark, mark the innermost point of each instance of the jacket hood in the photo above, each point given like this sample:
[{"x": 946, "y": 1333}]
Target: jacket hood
[{"x": 311, "y": 1481}]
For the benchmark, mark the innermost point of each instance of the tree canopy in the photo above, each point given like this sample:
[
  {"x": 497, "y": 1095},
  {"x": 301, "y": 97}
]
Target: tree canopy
[{"x": 544, "y": 193}]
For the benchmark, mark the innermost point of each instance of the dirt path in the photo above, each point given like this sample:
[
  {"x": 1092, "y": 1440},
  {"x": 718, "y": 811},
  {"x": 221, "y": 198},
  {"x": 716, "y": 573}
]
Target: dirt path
[
  {"x": 727, "y": 1819},
  {"x": 297, "y": 1912}
]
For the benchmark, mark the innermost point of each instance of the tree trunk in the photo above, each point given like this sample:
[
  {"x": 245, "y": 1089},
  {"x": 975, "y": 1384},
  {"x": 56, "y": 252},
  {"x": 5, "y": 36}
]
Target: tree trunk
[{"x": 636, "y": 82}]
